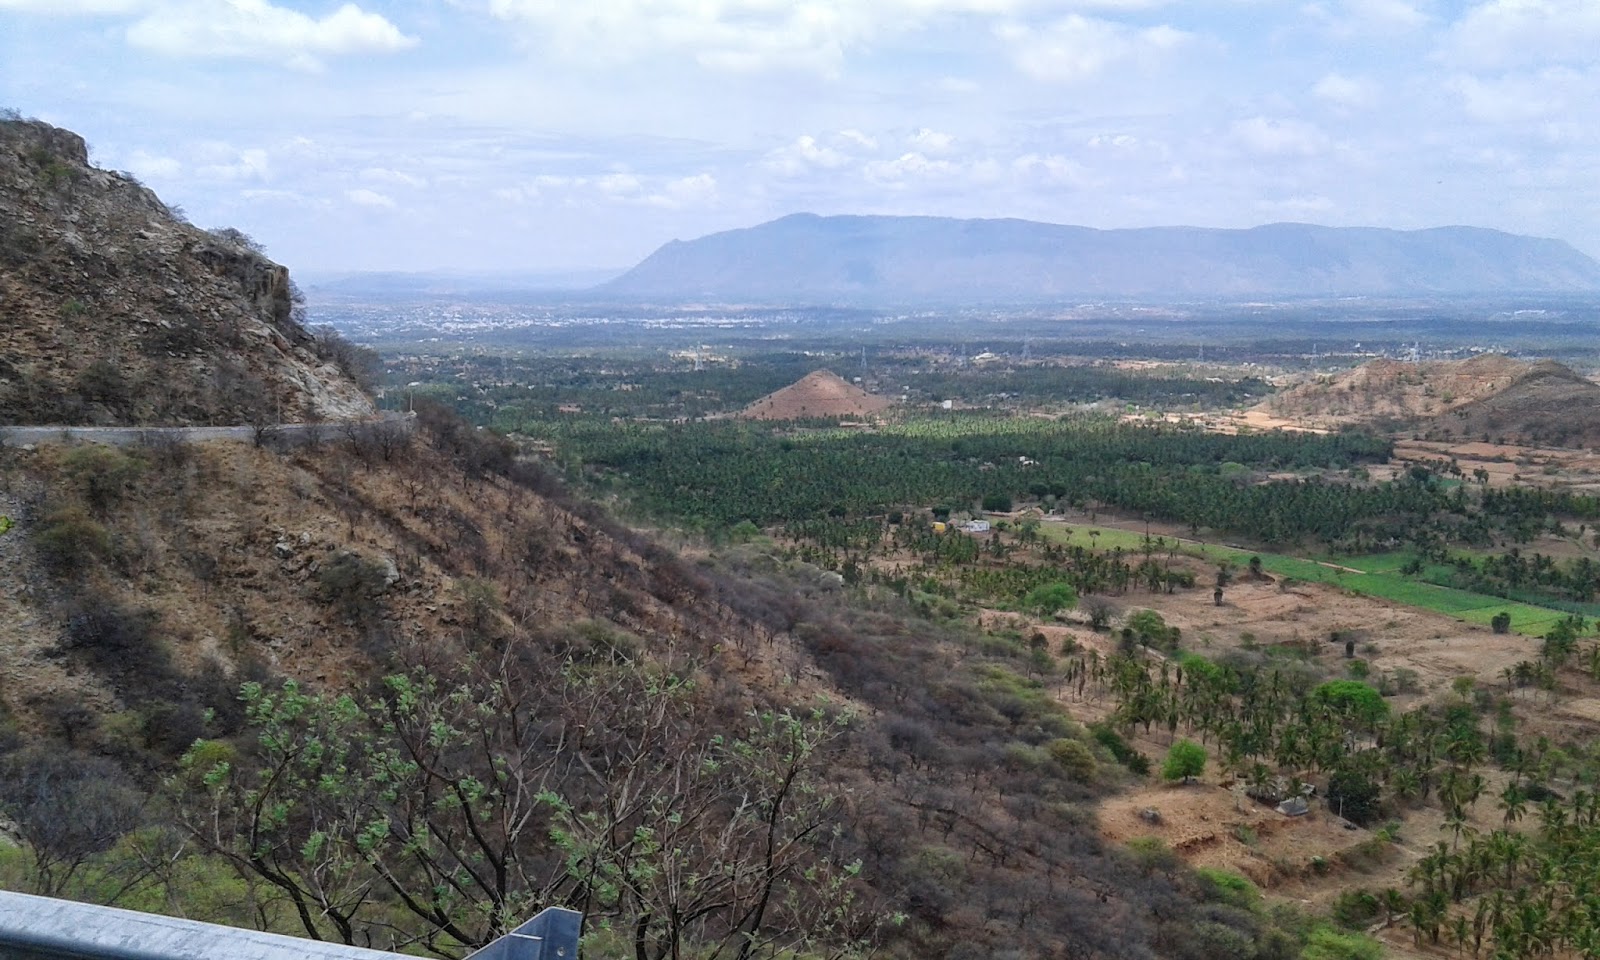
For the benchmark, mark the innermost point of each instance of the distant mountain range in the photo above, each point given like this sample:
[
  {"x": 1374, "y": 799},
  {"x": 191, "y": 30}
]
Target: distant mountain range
[{"x": 811, "y": 259}]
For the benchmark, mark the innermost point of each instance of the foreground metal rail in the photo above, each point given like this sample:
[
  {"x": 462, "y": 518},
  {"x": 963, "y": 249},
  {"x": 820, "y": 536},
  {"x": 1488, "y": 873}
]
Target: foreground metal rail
[{"x": 42, "y": 928}]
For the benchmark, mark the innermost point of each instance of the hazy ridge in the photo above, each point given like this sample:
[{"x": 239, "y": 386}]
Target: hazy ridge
[{"x": 807, "y": 258}]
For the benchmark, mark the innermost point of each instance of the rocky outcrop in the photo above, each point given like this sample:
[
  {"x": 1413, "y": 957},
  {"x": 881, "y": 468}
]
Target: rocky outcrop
[{"x": 116, "y": 311}]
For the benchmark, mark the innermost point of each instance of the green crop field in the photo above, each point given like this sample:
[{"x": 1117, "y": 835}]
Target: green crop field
[{"x": 1379, "y": 576}]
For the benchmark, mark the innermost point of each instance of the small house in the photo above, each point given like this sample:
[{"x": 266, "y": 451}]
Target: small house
[
  {"x": 1294, "y": 807},
  {"x": 976, "y": 526}
]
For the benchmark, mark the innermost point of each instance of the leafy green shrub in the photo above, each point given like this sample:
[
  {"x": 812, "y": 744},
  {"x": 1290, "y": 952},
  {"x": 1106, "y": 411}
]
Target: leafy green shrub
[
  {"x": 1153, "y": 855},
  {"x": 1352, "y": 700},
  {"x": 1126, "y": 755},
  {"x": 1074, "y": 757},
  {"x": 68, "y": 541},
  {"x": 119, "y": 643},
  {"x": 1050, "y": 598},
  {"x": 352, "y": 584},
  {"x": 997, "y": 502},
  {"x": 1228, "y": 887},
  {"x": 102, "y": 476},
  {"x": 104, "y": 383},
  {"x": 1353, "y": 795},
  {"x": 1328, "y": 944},
  {"x": 1356, "y": 909}
]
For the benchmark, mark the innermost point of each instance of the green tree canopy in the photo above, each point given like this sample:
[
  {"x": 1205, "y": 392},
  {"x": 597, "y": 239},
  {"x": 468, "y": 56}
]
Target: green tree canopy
[
  {"x": 1185, "y": 761},
  {"x": 1353, "y": 700},
  {"x": 1050, "y": 598}
]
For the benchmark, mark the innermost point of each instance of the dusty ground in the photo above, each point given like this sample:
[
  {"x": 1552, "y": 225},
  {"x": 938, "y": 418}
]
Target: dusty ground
[
  {"x": 1309, "y": 860},
  {"x": 1508, "y": 464}
]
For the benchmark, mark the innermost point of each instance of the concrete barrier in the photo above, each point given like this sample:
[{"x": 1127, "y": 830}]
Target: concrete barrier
[{"x": 291, "y": 434}]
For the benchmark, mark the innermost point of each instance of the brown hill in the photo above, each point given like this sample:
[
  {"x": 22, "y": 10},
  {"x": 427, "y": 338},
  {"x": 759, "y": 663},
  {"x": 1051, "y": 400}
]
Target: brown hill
[
  {"x": 822, "y": 394},
  {"x": 115, "y": 311},
  {"x": 1396, "y": 391},
  {"x": 1548, "y": 404},
  {"x": 1489, "y": 396}
]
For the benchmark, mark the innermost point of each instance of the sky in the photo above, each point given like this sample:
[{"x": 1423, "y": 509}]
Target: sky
[{"x": 556, "y": 135}]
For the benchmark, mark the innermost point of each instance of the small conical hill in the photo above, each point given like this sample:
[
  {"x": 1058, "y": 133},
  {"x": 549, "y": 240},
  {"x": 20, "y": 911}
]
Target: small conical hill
[{"x": 820, "y": 394}]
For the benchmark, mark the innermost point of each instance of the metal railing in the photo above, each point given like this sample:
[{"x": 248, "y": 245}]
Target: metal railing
[{"x": 43, "y": 928}]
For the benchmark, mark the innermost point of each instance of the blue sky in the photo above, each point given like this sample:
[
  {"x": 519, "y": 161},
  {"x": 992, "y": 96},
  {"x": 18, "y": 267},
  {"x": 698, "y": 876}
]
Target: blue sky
[{"x": 567, "y": 134}]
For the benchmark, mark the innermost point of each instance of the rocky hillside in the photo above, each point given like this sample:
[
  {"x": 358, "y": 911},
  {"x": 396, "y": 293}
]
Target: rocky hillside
[
  {"x": 811, "y": 259},
  {"x": 1489, "y": 396},
  {"x": 1547, "y": 404},
  {"x": 1393, "y": 390},
  {"x": 115, "y": 311}
]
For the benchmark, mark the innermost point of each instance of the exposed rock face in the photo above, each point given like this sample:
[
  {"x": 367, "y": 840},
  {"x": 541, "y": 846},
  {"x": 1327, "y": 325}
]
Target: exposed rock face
[
  {"x": 822, "y": 394},
  {"x": 115, "y": 311}
]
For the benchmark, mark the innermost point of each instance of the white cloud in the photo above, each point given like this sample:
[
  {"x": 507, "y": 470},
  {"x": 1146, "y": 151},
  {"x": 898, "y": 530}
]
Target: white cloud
[
  {"x": 932, "y": 141},
  {"x": 909, "y": 166},
  {"x": 962, "y": 85},
  {"x": 68, "y": 8},
  {"x": 1386, "y": 14},
  {"x": 1078, "y": 47},
  {"x": 1351, "y": 93},
  {"x": 396, "y": 178},
  {"x": 804, "y": 155},
  {"x": 859, "y": 139},
  {"x": 1511, "y": 33},
  {"x": 1271, "y": 137},
  {"x": 1052, "y": 169},
  {"x": 694, "y": 191},
  {"x": 1304, "y": 205},
  {"x": 228, "y": 164},
  {"x": 280, "y": 196},
  {"x": 669, "y": 193},
  {"x": 363, "y": 197},
  {"x": 151, "y": 166},
  {"x": 1519, "y": 97},
  {"x": 753, "y": 34},
  {"x": 1368, "y": 18},
  {"x": 620, "y": 186},
  {"x": 258, "y": 30}
]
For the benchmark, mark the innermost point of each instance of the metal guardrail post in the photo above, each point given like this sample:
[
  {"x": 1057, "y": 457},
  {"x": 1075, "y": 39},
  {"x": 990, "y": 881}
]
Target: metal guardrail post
[{"x": 551, "y": 935}]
